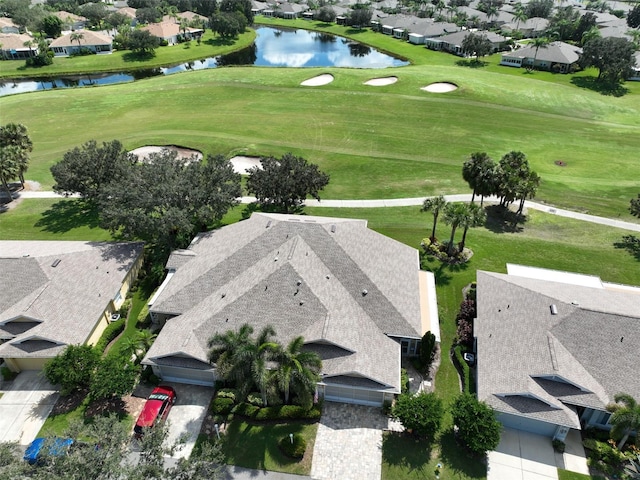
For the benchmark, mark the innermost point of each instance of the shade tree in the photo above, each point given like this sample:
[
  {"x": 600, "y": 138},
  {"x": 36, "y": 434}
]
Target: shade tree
[
  {"x": 612, "y": 56},
  {"x": 477, "y": 426},
  {"x": 16, "y": 135},
  {"x": 73, "y": 368},
  {"x": 634, "y": 206},
  {"x": 421, "y": 414},
  {"x": 284, "y": 184},
  {"x": 477, "y": 45}
]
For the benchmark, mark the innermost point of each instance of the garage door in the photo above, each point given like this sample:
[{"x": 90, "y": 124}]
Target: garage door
[
  {"x": 527, "y": 424},
  {"x": 353, "y": 395},
  {"x": 187, "y": 375}
]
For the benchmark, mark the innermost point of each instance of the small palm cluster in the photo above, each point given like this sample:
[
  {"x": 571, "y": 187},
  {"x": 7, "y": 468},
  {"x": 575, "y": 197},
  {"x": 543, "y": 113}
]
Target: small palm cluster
[{"x": 262, "y": 364}]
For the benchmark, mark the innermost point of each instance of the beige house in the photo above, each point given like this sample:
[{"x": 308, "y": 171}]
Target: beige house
[
  {"x": 7, "y": 26},
  {"x": 70, "y": 20},
  {"x": 171, "y": 31},
  {"x": 358, "y": 298},
  {"x": 56, "y": 294},
  {"x": 94, "y": 41},
  {"x": 12, "y": 46}
]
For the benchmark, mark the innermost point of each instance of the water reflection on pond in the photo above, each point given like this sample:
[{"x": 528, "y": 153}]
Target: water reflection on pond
[{"x": 273, "y": 47}]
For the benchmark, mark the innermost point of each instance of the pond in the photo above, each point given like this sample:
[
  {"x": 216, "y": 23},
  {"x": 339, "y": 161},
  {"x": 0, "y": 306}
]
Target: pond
[{"x": 273, "y": 47}]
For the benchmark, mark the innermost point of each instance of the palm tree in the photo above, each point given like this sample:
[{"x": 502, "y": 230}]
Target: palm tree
[
  {"x": 625, "y": 418},
  {"x": 538, "y": 43},
  {"x": 8, "y": 165},
  {"x": 455, "y": 214},
  {"x": 76, "y": 37},
  {"x": 527, "y": 189},
  {"x": 30, "y": 44},
  {"x": 476, "y": 218},
  {"x": 243, "y": 360},
  {"x": 225, "y": 351},
  {"x": 17, "y": 135},
  {"x": 475, "y": 170},
  {"x": 520, "y": 15},
  {"x": 297, "y": 370},
  {"x": 434, "y": 205}
]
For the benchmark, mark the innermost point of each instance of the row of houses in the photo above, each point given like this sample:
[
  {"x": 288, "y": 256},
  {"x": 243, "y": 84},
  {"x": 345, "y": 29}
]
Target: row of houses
[{"x": 359, "y": 299}]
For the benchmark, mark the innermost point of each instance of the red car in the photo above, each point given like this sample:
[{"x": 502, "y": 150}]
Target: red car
[{"x": 156, "y": 409}]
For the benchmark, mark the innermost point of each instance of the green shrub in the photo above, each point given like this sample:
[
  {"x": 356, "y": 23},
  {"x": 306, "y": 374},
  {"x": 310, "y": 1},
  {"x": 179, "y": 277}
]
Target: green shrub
[
  {"x": 8, "y": 374},
  {"x": 112, "y": 331},
  {"x": 148, "y": 376},
  {"x": 386, "y": 407},
  {"x": 245, "y": 410},
  {"x": 404, "y": 381},
  {"x": 558, "y": 445},
  {"x": 255, "y": 398},
  {"x": 295, "y": 448},
  {"x": 221, "y": 406},
  {"x": 144, "y": 313},
  {"x": 227, "y": 393},
  {"x": 463, "y": 368}
]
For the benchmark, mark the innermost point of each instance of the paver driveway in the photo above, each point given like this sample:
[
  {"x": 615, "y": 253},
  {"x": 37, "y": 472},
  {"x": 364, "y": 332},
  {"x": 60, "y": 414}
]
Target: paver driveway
[
  {"x": 348, "y": 443},
  {"x": 25, "y": 405}
]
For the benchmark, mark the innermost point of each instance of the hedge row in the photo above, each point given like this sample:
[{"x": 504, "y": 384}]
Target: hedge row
[
  {"x": 112, "y": 331},
  {"x": 222, "y": 405},
  {"x": 463, "y": 368}
]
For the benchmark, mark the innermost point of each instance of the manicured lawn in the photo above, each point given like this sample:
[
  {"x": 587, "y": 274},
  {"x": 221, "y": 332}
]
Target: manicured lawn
[
  {"x": 51, "y": 219},
  {"x": 376, "y": 142},
  {"x": 567, "y": 475},
  {"x": 256, "y": 446},
  {"x": 124, "y": 61}
]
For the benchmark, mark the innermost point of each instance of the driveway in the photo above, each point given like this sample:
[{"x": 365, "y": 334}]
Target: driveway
[
  {"x": 526, "y": 456},
  {"x": 187, "y": 415},
  {"x": 25, "y": 405},
  {"x": 348, "y": 443}
]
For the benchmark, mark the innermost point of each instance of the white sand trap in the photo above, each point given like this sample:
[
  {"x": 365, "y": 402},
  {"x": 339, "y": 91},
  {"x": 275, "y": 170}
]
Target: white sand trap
[
  {"x": 243, "y": 164},
  {"x": 144, "y": 152},
  {"x": 440, "y": 87},
  {"x": 319, "y": 80},
  {"x": 380, "y": 82}
]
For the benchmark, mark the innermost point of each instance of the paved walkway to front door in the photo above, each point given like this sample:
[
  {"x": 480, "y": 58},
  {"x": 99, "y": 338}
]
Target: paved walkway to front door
[{"x": 348, "y": 443}]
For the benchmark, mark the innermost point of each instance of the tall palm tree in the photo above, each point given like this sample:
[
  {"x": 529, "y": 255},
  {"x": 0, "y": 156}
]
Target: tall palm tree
[
  {"x": 258, "y": 354},
  {"x": 476, "y": 218},
  {"x": 520, "y": 15},
  {"x": 625, "y": 418},
  {"x": 538, "y": 43},
  {"x": 16, "y": 134},
  {"x": 30, "y": 44},
  {"x": 434, "y": 205},
  {"x": 297, "y": 370},
  {"x": 76, "y": 37},
  {"x": 225, "y": 351},
  {"x": 8, "y": 166},
  {"x": 527, "y": 189},
  {"x": 475, "y": 170},
  {"x": 455, "y": 214}
]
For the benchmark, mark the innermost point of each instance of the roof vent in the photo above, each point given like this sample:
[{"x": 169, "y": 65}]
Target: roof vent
[
  {"x": 268, "y": 224},
  {"x": 56, "y": 262},
  {"x": 554, "y": 309},
  {"x": 333, "y": 229},
  {"x": 364, "y": 292},
  {"x": 25, "y": 255},
  {"x": 299, "y": 282},
  {"x": 575, "y": 303}
]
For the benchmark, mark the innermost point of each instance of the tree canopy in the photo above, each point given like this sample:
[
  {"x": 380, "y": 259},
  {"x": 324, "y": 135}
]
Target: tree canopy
[
  {"x": 612, "y": 56},
  {"x": 166, "y": 200},
  {"x": 228, "y": 24},
  {"x": 634, "y": 206},
  {"x": 14, "y": 138},
  {"x": 73, "y": 368},
  {"x": 625, "y": 417},
  {"x": 421, "y": 413},
  {"x": 633, "y": 17},
  {"x": 88, "y": 169},
  {"x": 479, "y": 171},
  {"x": 477, "y": 45},
  {"x": 241, "y": 6},
  {"x": 141, "y": 41},
  {"x": 477, "y": 425},
  {"x": 284, "y": 184}
]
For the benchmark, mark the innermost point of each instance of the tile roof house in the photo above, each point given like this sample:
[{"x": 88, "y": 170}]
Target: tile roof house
[
  {"x": 554, "y": 348},
  {"x": 556, "y": 57},
  {"x": 171, "y": 31},
  {"x": 12, "y": 46},
  {"x": 357, "y": 297},
  {"x": 71, "y": 21},
  {"x": 95, "y": 41},
  {"x": 58, "y": 294},
  {"x": 7, "y": 26}
]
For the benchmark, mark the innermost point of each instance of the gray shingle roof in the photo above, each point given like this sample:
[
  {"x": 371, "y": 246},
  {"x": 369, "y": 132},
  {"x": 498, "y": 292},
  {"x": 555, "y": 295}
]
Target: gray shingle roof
[
  {"x": 579, "y": 344},
  {"x": 556, "y": 52},
  {"x": 61, "y": 303},
  {"x": 249, "y": 273}
]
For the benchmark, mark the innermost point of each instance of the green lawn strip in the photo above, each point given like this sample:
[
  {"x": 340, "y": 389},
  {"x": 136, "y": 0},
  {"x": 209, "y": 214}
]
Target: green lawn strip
[
  {"x": 58, "y": 424},
  {"x": 51, "y": 219},
  {"x": 567, "y": 475},
  {"x": 388, "y": 142},
  {"x": 211, "y": 46},
  {"x": 256, "y": 446}
]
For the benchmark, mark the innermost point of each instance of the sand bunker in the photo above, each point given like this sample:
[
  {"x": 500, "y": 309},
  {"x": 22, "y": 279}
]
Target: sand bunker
[
  {"x": 379, "y": 82},
  {"x": 144, "y": 152},
  {"x": 319, "y": 80},
  {"x": 243, "y": 164},
  {"x": 440, "y": 87}
]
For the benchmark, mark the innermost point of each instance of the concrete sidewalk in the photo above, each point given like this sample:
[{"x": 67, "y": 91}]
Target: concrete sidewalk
[{"x": 411, "y": 202}]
